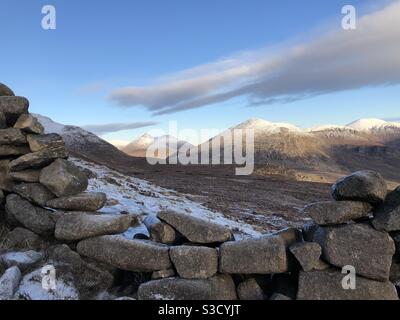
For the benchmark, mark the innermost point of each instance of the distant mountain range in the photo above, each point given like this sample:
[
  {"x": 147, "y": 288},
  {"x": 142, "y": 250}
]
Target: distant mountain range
[
  {"x": 164, "y": 145},
  {"x": 326, "y": 149}
]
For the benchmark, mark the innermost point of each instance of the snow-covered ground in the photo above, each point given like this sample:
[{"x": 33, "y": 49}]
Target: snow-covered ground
[{"x": 137, "y": 196}]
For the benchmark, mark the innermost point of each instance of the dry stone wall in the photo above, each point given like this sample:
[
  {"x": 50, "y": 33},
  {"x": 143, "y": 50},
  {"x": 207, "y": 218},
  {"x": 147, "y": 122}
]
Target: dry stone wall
[{"x": 52, "y": 220}]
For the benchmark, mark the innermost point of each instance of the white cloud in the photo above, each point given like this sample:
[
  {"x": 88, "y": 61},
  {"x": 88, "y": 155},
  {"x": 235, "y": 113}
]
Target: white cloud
[{"x": 337, "y": 61}]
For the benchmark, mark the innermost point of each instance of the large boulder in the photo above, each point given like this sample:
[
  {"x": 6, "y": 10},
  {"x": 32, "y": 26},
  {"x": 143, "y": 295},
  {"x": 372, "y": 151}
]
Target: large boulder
[
  {"x": 41, "y": 142},
  {"x": 91, "y": 279},
  {"x": 387, "y": 215},
  {"x": 130, "y": 255},
  {"x": 35, "y": 160},
  {"x": 30, "y": 175},
  {"x": 13, "y": 107},
  {"x": 81, "y": 225},
  {"x": 195, "y": 229},
  {"x": 22, "y": 239},
  {"x": 360, "y": 246},
  {"x": 368, "y": 186},
  {"x": 220, "y": 287},
  {"x": 90, "y": 201},
  {"x": 12, "y": 150},
  {"x": 9, "y": 283},
  {"x": 28, "y": 123},
  {"x": 161, "y": 231},
  {"x": 34, "y": 192},
  {"x": 193, "y": 262},
  {"x": 308, "y": 255},
  {"x": 22, "y": 260},
  {"x": 38, "y": 220},
  {"x": 63, "y": 178},
  {"x": 12, "y": 136},
  {"x": 337, "y": 212},
  {"x": 254, "y": 256},
  {"x": 5, "y": 91},
  {"x": 327, "y": 285}
]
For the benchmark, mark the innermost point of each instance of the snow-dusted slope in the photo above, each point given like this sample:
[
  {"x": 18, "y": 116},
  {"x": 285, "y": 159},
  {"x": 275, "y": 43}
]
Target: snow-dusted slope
[
  {"x": 261, "y": 126},
  {"x": 136, "y": 196},
  {"x": 372, "y": 124}
]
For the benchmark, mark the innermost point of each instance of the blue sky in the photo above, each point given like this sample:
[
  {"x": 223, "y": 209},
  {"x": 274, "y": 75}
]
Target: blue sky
[{"x": 73, "y": 74}]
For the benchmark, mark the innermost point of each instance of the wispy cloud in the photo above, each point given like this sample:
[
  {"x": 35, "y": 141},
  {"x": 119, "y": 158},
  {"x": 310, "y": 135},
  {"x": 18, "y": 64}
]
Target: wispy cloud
[
  {"x": 337, "y": 61},
  {"x": 102, "y": 129}
]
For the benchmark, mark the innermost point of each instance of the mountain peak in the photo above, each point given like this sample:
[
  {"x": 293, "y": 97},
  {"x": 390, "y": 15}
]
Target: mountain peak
[{"x": 267, "y": 126}]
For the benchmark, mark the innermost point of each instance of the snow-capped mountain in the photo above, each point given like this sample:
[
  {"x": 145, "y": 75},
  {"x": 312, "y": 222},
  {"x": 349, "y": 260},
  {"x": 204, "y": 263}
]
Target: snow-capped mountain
[
  {"x": 164, "y": 145},
  {"x": 373, "y": 125},
  {"x": 84, "y": 143}
]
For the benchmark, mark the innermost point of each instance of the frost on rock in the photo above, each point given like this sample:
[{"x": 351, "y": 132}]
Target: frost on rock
[
  {"x": 31, "y": 288},
  {"x": 137, "y": 196}
]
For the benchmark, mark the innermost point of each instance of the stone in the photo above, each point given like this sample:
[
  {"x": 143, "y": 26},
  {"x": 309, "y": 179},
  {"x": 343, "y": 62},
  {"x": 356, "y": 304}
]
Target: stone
[
  {"x": 81, "y": 225},
  {"x": 368, "y": 186},
  {"x": 290, "y": 236},
  {"x": 89, "y": 201},
  {"x": 29, "y": 175},
  {"x": 9, "y": 283},
  {"x": 387, "y": 215},
  {"x": 220, "y": 287},
  {"x": 129, "y": 255},
  {"x": 38, "y": 220},
  {"x": 193, "y": 262},
  {"x": 11, "y": 150},
  {"x": 6, "y": 182},
  {"x": 90, "y": 278},
  {"x": 254, "y": 256},
  {"x": 194, "y": 229},
  {"x": 369, "y": 251},
  {"x": 13, "y": 107},
  {"x": 309, "y": 230},
  {"x": 5, "y": 91},
  {"x": 395, "y": 272},
  {"x": 162, "y": 274},
  {"x": 278, "y": 297},
  {"x": 3, "y": 121},
  {"x": 337, "y": 212},
  {"x": 28, "y": 123},
  {"x": 327, "y": 285},
  {"x": 63, "y": 178},
  {"x": 22, "y": 260},
  {"x": 161, "y": 231},
  {"x": 63, "y": 255},
  {"x": 12, "y": 136},
  {"x": 41, "y": 142},
  {"x": 23, "y": 239},
  {"x": 250, "y": 290},
  {"x": 34, "y": 192},
  {"x": 35, "y": 160},
  {"x": 308, "y": 255},
  {"x": 31, "y": 287}
]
